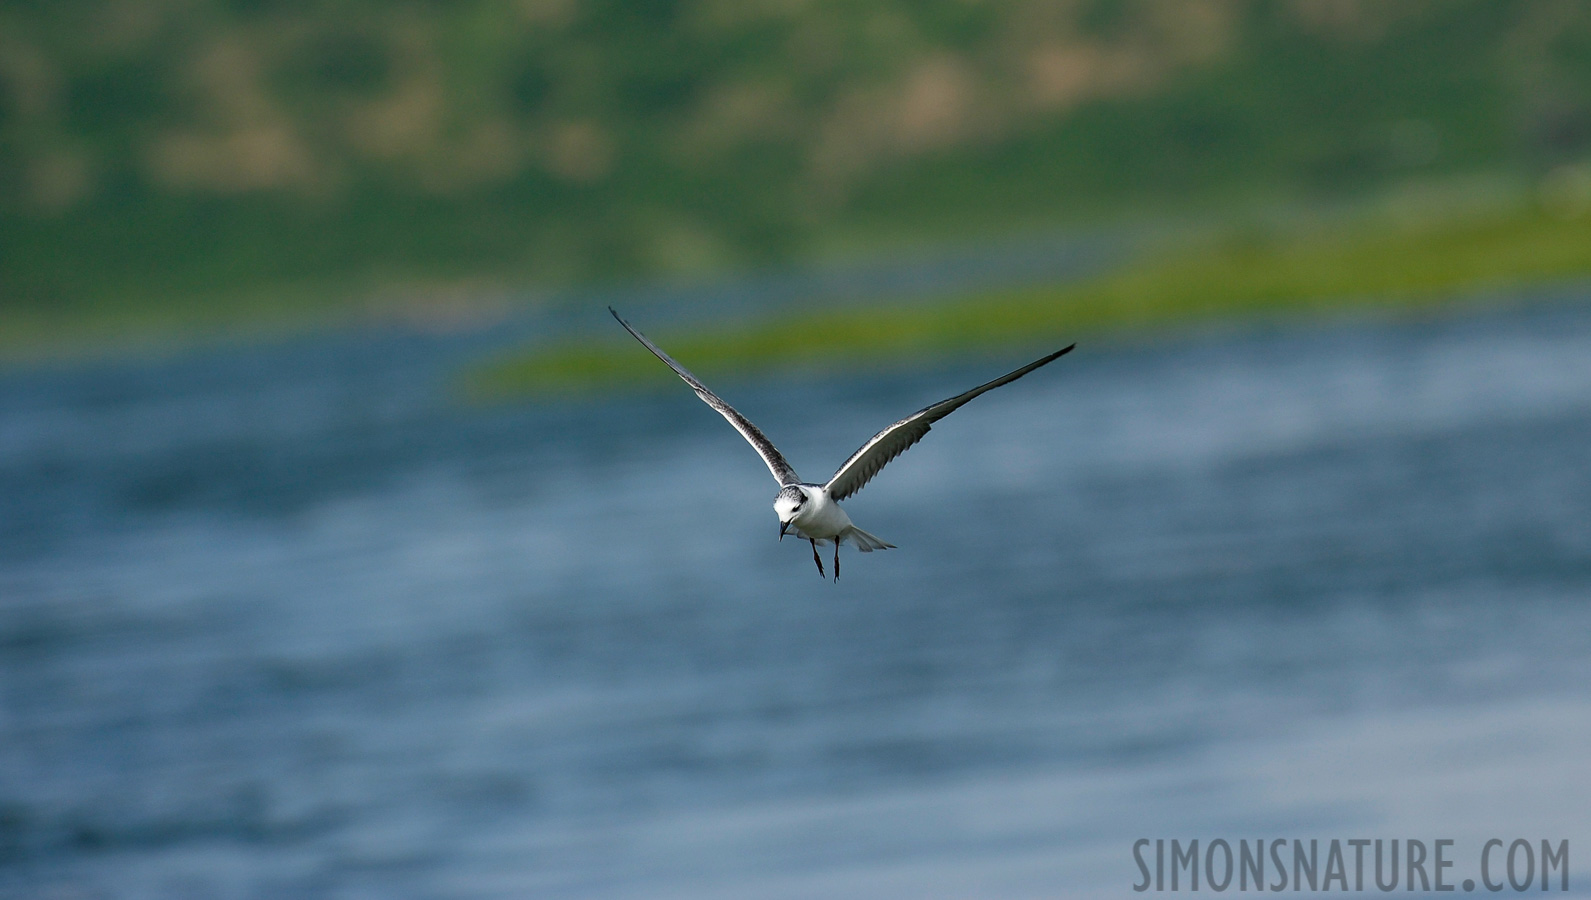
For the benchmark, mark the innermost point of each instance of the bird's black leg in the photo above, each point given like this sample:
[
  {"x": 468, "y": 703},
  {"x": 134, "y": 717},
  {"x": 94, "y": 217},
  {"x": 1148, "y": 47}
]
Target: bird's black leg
[
  {"x": 815, "y": 557},
  {"x": 836, "y": 559}
]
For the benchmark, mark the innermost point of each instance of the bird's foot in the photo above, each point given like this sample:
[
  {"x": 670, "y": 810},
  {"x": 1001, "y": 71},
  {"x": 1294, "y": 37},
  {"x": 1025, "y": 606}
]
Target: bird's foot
[{"x": 817, "y": 559}]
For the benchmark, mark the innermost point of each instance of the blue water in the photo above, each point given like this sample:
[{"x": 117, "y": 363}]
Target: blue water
[{"x": 290, "y": 621}]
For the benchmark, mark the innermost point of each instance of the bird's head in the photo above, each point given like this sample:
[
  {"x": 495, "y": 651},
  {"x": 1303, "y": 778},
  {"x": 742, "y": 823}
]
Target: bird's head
[{"x": 788, "y": 505}]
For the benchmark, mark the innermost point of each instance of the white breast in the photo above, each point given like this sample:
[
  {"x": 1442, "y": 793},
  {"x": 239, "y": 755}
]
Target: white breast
[{"x": 821, "y": 517}]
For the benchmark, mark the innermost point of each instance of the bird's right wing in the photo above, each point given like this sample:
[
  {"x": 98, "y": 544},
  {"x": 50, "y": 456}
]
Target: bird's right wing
[
  {"x": 896, "y": 439},
  {"x": 781, "y": 469}
]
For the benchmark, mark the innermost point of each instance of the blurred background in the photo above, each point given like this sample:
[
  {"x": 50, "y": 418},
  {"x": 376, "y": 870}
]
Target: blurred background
[{"x": 349, "y": 549}]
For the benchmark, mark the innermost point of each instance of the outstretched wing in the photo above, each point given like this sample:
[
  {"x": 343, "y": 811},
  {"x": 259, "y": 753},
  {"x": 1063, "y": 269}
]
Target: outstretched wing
[
  {"x": 781, "y": 469},
  {"x": 894, "y": 440}
]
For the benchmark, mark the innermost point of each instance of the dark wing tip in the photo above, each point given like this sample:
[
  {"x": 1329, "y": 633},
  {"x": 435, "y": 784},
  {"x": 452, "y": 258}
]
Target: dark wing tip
[
  {"x": 633, "y": 333},
  {"x": 1054, "y": 356}
]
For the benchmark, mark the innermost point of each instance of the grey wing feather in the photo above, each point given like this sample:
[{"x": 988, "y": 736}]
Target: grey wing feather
[
  {"x": 781, "y": 469},
  {"x": 897, "y": 438}
]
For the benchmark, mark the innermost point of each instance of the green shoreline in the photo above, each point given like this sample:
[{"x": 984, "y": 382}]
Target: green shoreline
[{"x": 1377, "y": 264}]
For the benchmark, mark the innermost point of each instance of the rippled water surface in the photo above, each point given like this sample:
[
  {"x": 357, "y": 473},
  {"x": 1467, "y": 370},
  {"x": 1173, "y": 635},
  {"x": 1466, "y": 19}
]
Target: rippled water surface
[{"x": 290, "y": 622}]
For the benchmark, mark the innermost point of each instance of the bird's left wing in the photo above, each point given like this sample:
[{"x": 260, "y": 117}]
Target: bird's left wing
[
  {"x": 781, "y": 469},
  {"x": 894, "y": 440}
]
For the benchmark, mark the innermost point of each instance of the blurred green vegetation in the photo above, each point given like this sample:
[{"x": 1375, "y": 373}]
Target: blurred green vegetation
[
  {"x": 1368, "y": 262},
  {"x": 166, "y": 162}
]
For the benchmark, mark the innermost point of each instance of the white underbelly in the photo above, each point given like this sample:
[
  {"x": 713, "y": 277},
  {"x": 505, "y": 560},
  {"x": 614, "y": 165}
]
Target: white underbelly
[{"x": 823, "y": 520}]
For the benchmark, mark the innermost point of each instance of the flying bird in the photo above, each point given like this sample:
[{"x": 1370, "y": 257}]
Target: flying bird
[{"x": 812, "y": 511}]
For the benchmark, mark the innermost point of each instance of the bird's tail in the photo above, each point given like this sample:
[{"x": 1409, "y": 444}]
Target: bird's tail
[{"x": 865, "y": 542}]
